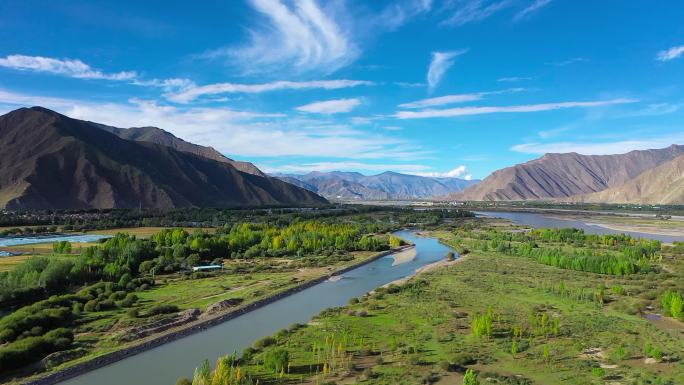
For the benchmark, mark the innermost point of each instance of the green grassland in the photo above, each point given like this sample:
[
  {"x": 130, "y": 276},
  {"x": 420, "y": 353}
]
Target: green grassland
[{"x": 510, "y": 318}]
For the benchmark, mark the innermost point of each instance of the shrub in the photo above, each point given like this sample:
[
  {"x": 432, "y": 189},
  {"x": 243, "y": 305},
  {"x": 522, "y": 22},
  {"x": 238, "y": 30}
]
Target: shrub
[
  {"x": 162, "y": 309},
  {"x": 276, "y": 360},
  {"x": 264, "y": 342}
]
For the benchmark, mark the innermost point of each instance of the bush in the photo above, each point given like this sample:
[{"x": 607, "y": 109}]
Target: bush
[
  {"x": 162, "y": 309},
  {"x": 264, "y": 342},
  {"x": 92, "y": 306},
  {"x": 276, "y": 360},
  {"x": 31, "y": 349}
]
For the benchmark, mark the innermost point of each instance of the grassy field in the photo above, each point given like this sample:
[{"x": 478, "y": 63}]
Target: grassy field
[
  {"x": 145, "y": 232},
  {"x": 242, "y": 280},
  {"x": 548, "y": 326}
]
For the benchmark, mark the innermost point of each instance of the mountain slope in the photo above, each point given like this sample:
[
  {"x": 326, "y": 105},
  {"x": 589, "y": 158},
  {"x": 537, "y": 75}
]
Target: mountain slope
[
  {"x": 661, "y": 185},
  {"x": 388, "y": 185},
  {"x": 159, "y": 136},
  {"x": 566, "y": 175},
  {"x": 52, "y": 161}
]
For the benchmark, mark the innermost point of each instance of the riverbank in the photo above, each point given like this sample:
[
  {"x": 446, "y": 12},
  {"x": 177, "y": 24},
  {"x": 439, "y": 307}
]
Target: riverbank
[{"x": 199, "y": 325}]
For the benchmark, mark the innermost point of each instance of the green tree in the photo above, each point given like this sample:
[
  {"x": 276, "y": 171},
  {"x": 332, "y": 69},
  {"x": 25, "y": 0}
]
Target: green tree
[{"x": 470, "y": 378}]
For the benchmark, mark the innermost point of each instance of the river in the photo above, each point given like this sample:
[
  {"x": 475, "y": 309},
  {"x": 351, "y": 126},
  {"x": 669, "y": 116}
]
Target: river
[
  {"x": 16, "y": 241},
  {"x": 543, "y": 221},
  {"x": 163, "y": 365}
]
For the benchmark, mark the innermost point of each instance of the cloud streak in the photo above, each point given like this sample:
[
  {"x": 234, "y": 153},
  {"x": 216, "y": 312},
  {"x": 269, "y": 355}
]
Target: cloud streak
[
  {"x": 457, "y": 98},
  {"x": 66, "y": 67},
  {"x": 670, "y": 54},
  {"x": 473, "y": 11},
  {"x": 465, "y": 111},
  {"x": 440, "y": 64},
  {"x": 334, "y": 106},
  {"x": 299, "y": 35},
  {"x": 531, "y": 9},
  {"x": 594, "y": 148},
  {"x": 189, "y": 93}
]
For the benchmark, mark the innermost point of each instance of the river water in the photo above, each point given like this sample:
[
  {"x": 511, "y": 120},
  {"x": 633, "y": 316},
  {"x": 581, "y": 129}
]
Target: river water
[
  {"x": 163, "y": 365},
  {"x": 542, "y": 221},
  {"x": 15, "y": 241}
]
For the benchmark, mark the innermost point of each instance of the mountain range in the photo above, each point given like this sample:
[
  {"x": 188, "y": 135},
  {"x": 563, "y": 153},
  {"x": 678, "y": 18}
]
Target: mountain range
[
  {"x": 641, "y": 176},
  {"x": 351, "y": 186},
  {"x": 49, "y": 160}
]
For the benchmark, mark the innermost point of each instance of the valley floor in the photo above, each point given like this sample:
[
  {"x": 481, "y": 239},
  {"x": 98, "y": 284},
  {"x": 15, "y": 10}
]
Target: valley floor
[{"x": 509, "y": 318}]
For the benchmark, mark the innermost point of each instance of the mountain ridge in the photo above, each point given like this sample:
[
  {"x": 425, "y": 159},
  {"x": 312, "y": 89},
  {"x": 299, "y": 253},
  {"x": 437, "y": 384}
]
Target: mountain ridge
[
  {"x": 383, "y": 186},
  {"x": 52, "y": 161},
  {"x": 554, "y": 175}
]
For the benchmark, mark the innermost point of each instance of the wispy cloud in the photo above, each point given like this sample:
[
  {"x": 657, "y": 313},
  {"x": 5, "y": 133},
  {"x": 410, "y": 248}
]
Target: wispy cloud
[
  {"x": 398, "y": 13},
  {"x": 671, "y": 54},
  {"x": 191, "y": 92},
  {"x": 531, "y": 9},
  {"x": 246, "y": 134},
  {"x": 598, "y": 148},
  {"x": 465, "y": 111},
  {"x": 568, "y": 62},
  {"x": 414, "y": 169},
  {"x": 546, "y": 134},
  {"x": 66, "y": 67},
  {"x": 441, "y": 62},
  {"x": 457, "y": 98},
  {"x": 472, "y": 11},
  {"x": 334, "y": 106},
  {"x": 513, "y": 79},
  {"x": 299, "y": 36}
]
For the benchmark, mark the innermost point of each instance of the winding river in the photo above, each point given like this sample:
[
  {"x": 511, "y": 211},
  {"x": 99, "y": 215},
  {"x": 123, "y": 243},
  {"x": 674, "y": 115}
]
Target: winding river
[{"x": 163, "y": 365}]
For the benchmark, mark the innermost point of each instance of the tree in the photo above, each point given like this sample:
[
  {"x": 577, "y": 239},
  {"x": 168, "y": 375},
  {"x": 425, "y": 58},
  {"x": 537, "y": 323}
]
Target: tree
[{"x": 470, "y": 378}]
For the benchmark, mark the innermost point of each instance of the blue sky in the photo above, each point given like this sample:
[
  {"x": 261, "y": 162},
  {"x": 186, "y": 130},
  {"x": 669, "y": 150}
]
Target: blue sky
[{"x": 430, "y": 87}]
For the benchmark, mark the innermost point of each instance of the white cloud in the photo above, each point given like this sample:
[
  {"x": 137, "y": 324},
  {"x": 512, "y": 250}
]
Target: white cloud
[
  {"x": 472, "y": 11},
  {"x": 398, "y": 13},
  {"x": 334, "y": 106},
  {"x": 529, "y": 10},
  {"x": 345, "y": 166},
  {"x": 441, "y": 62},
  {"x": 457, "y": 98},
  {"x": 594, "y": 148},
  {"x": 671, "y": 54},
  {"x": 67, "y": 67},
  {"x": 191, "y": 92},
  {"x": 236, "y": 133},
  {"x": 299, "y": 35},
  {"x": 458, "y": 172},
  {"x": 464, "y": 111},
  {"x": 513, "y": 79}
]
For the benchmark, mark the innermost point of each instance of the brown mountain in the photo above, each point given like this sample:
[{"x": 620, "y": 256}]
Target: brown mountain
[
  {"x": 662, "y": 185},
  {"x": 566, "y": 175},
  {"x": 159, "y": 136},
  {"x": 51, "y": 161}
]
